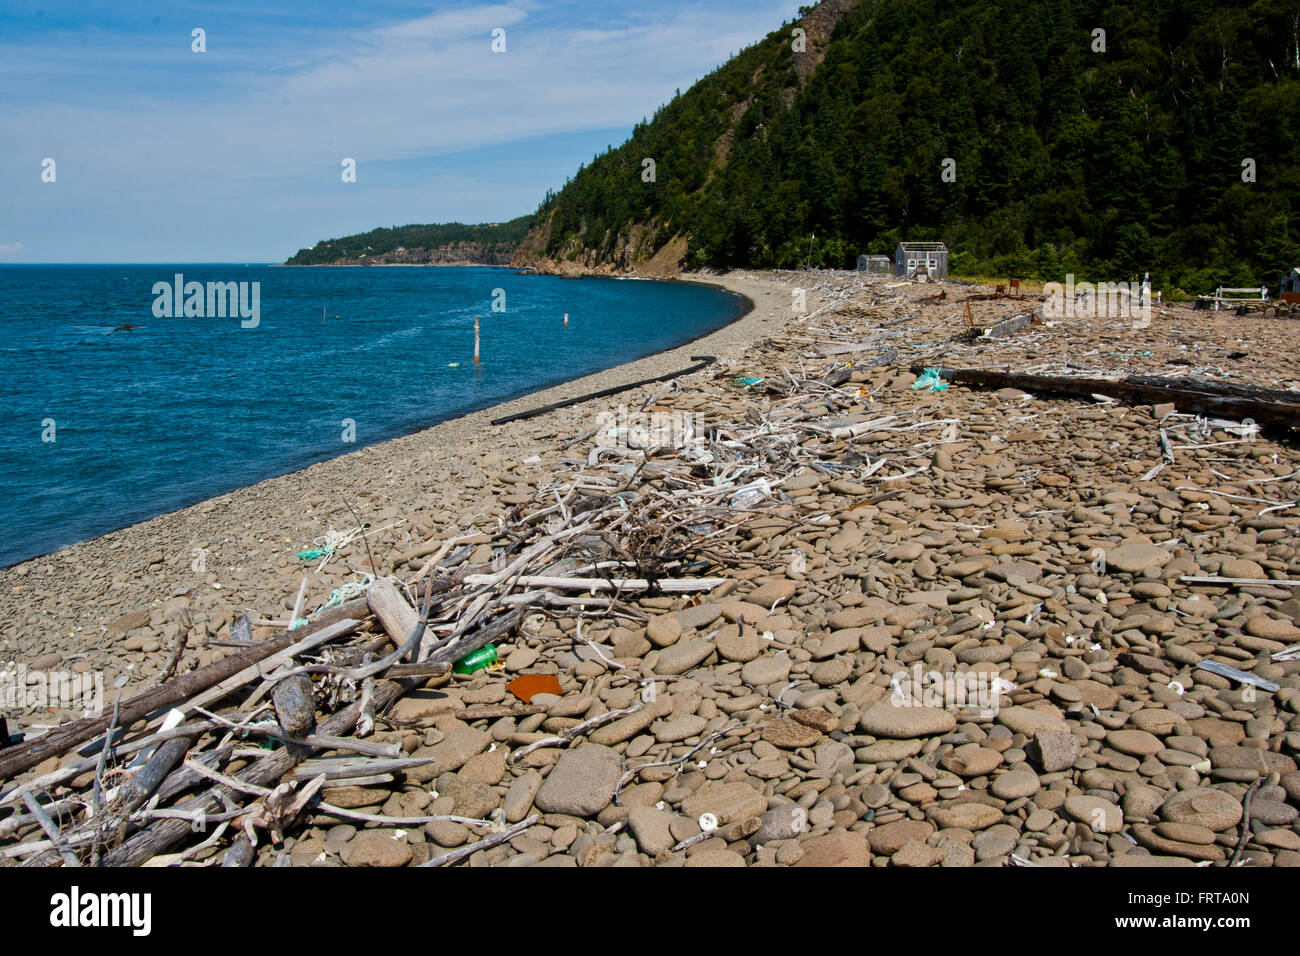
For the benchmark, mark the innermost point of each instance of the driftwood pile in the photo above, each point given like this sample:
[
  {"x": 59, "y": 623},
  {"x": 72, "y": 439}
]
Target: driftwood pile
[
  {"x": 193, "y": 764},
  {"x": 212, "y": 762}
]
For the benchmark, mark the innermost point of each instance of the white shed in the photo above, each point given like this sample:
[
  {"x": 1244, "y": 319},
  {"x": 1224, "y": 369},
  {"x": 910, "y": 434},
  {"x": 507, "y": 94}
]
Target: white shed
[{"x": 923, "y": 258}]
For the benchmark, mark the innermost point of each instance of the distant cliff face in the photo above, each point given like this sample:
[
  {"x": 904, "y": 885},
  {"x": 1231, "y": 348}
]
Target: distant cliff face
[{"x": 631, "y": 255}]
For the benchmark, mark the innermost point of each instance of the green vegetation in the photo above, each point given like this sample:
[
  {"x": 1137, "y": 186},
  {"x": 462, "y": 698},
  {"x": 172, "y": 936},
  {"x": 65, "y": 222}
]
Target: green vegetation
[
  {"x": 1104, "y": 164},
  {"x": 502, "y": 237}
]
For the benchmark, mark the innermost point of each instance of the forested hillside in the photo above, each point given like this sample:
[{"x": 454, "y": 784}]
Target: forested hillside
[
  {"x": 1166, "y": 143},
  {"x": 490, "y": 243}
]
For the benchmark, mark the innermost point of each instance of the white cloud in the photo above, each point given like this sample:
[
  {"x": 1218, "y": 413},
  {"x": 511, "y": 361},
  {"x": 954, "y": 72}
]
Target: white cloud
[
  {"x": 416, "y": 89},
  {"x": 453, "y": 23},
  {"x": 430, "y": 85}
]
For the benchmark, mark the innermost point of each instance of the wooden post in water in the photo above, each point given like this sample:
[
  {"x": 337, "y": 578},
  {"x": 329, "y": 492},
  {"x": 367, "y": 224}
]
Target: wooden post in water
[{"x": 476, "y": 340}]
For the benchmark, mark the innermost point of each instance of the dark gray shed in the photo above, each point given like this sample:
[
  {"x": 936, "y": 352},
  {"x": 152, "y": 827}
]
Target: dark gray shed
[
  {"x": 875, "y": 265},
  {"x": 1290, "y": 282}
]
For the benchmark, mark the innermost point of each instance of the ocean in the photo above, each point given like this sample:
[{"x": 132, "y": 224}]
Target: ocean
[{"x": 261, "y": 370}]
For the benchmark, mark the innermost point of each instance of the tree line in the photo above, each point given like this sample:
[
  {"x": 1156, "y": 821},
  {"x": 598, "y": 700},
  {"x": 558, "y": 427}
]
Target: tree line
[{"x": 1036, "y": 137}]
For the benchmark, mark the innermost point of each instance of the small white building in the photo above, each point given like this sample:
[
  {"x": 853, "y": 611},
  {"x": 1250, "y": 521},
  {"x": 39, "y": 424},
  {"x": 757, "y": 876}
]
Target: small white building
[{"x": 921, "y": 258}]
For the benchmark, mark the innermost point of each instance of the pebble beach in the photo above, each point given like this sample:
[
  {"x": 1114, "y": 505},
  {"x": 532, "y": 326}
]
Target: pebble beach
[{"x": 1054, "y": 549}]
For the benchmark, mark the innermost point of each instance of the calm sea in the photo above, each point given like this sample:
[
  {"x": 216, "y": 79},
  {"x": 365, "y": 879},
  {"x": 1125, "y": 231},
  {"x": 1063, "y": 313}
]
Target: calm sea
[{"x": 103, "y": 428}]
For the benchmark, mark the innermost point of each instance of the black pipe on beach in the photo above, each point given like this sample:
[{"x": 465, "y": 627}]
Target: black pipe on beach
[{"x": 703, "y": 360}]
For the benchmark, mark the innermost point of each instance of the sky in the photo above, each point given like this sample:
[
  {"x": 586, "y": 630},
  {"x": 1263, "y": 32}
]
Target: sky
[{"x": 164, "y": 154}]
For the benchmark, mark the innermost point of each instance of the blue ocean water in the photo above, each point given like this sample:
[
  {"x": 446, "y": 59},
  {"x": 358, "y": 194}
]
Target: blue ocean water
[{"x": 152, "y": 419}]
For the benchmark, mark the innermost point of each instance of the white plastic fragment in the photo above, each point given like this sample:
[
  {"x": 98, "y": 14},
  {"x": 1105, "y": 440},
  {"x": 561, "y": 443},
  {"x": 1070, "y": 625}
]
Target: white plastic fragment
[{"x": 1223, "y": 670}]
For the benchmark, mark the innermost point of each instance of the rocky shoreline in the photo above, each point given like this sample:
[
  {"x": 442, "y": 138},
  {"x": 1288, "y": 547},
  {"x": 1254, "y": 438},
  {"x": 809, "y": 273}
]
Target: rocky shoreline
[{"x": 1026, "y": 545}]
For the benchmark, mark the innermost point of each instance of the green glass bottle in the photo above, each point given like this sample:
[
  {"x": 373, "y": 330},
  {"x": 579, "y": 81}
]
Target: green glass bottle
[{"x": 477, "y": 660}]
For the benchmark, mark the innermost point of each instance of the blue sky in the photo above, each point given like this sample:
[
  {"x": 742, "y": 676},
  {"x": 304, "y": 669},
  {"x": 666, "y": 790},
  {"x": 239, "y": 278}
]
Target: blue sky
[{"x": 233, "y": 155}]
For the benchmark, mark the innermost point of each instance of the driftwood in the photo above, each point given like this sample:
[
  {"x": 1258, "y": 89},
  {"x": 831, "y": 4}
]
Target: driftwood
[
  {"x": 1264, "y": 406},
  {"x": 142, "y": 784},
  {"x": 162, "y": 835},
  {"x": 612, "y": 584},
  {"x": 395, "y": 615},
  {"x": 1005, "y": 326},
  {"x": 350, "y": 768},
  {"x": 261, "y": 669},
  {"x": 1245, "y": 582},
  {"x": 240, "y": 852},
  {"x": 460, "y": 853},
  {"x": 637, "y": 519},
  {"x": 57, "y": 742}
]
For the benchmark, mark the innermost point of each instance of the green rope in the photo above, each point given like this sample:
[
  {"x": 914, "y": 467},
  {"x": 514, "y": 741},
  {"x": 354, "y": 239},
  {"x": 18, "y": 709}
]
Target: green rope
[
  {"x": 348, "y": 591},
  {"x": 929, "y": 379}
]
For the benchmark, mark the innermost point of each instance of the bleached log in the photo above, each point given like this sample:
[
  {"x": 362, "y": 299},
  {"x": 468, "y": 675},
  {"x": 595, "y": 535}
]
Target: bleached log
[{"x": 670, "y": 585}]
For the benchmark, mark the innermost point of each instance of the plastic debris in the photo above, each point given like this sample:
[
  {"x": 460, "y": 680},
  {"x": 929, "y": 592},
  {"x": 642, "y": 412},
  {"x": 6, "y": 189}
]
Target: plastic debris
[
  {"x": 1223, "y": 670},
  {"x": 751, "y": 494},
  {"x": 241, "y": 629},
  {"x": 929, "y": 379},
  {"x": 332, "y": 542},
  {"x": 347, "y": 591},
  {"x": 528, "y": 686}
]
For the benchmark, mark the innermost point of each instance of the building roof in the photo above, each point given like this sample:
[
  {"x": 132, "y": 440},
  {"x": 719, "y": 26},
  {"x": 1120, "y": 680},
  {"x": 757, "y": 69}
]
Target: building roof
[{"x": 923, "y": 247}]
